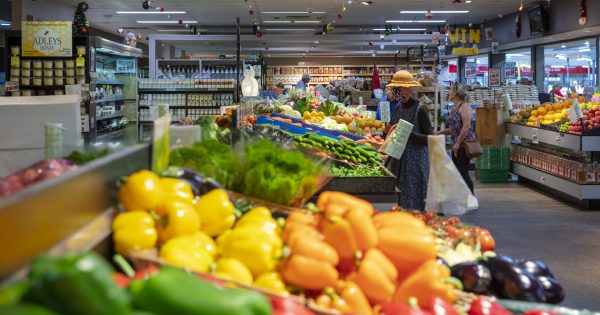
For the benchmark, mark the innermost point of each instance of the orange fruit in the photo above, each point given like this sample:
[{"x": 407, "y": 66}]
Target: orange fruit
[
  {"x": 534, "y": 113},
  {"x": 549, "y": 107},
  {"x": 542, "y": 111}
]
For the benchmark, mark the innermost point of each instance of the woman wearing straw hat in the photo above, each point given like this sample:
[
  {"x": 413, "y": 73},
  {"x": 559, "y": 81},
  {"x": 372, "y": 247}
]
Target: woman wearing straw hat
[{"x": 412, "y": 169}]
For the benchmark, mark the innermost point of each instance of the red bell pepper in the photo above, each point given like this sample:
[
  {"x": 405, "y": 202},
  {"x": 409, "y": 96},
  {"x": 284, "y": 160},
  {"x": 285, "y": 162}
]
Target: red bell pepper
[
  {"x": 283, "y": 306},
  {"x": 486, "y": 307},
  {"x": 438, "y": 306},
  {"x": 396, "y": 308},
  {"x": 539, "y": 312}
]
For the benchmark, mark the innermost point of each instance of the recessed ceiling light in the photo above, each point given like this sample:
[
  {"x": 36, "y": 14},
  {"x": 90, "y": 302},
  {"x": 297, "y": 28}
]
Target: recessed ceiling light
[
  {"x": 150, "y": 12},
  {"x": 301, "y": 12},
  {"x": 415, "y": 21},
  {"x": 438, "y": 12},
  {"x": 166, "y": 22}
]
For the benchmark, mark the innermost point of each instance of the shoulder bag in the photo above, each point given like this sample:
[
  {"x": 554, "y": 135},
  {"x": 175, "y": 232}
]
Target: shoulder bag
[{"x": 473, "y": 148}]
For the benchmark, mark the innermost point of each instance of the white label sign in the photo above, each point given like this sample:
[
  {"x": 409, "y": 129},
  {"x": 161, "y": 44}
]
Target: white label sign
[
  {"x": 384, "y": 112},
  {"x": 534, "y": 135}
]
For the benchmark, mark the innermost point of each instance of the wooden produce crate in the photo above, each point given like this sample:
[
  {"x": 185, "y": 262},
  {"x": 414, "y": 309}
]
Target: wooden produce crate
[{"x": 489, "y": 126}]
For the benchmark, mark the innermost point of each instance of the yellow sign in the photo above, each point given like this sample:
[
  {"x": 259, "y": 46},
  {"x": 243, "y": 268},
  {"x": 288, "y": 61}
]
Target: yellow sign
[
  {"x": 460, "y": 35},
  {"x": 464, "y": 51},
  {"x": 47, "y": 38}
]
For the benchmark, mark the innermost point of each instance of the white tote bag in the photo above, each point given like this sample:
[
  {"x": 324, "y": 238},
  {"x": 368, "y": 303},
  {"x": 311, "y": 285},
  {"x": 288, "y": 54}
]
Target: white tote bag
[{"x": 447, "y": 192}]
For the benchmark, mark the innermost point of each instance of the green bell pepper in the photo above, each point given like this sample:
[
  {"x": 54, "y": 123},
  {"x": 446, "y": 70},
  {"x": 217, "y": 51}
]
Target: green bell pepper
[
  {"x": 174, "y": 291},
  {"x": 76, "y": 284},
  {"x": 25, "y": 309}
]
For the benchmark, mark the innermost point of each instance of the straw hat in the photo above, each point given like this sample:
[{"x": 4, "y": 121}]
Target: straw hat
[{"x": 403, "y": 78}]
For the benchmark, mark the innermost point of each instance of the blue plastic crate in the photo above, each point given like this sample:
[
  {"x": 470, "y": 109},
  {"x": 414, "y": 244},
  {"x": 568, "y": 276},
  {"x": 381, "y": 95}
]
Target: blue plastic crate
[
  {"x": 320, "y": 129},
  {"x": 290, "y": 128}
]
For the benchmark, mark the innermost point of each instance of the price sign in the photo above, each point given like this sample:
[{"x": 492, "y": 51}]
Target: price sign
[
  {"x": 534, "y": 135},
  {"x": 161, "y": 143},
  {"x": 470, "y": 70},
  {"x": 384, "y": 112},
  {"x": 510, "y": 70}
]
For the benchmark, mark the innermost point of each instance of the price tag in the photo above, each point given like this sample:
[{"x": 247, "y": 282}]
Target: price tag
[
  {"x": 384, "y": 112},
  {"x": 542, "y": 179},
  {"x": 534, "y": 135}
]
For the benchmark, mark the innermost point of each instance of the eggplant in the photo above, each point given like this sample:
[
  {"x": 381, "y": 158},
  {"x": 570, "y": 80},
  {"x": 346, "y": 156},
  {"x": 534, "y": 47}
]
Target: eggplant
[
  {"x": 553, "y": 291},
  {"x": 475, "y": 277},
  {"x": 520, "y": 285},
  {"x": 498, "y": 266},
  {"x": 535, "y": 267}
]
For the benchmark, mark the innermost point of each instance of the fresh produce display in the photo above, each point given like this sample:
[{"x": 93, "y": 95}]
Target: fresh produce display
[
  {"x": 81, "y": 158},
  {"x": 263, "y": 171},
  {"x": 358, "y": 124},
  {"x": 37, "y": 172},
  {"x": 544, "y": 114},
  {"x": 377, "y": 140},
  {"x": 356, "y": 170},
  {"x": 344, "y": 150},
  {"x": 591, "y": 120}
]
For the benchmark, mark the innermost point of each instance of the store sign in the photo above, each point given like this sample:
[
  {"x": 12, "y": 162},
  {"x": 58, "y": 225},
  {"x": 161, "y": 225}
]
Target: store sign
[
  {"x": 460, "y": 35},
  {"x": 47, "y": 38},
  {"x": 470, "y": 70},
  {"x": 465, "y": 51},
  {"x": 494, "y": 76}
]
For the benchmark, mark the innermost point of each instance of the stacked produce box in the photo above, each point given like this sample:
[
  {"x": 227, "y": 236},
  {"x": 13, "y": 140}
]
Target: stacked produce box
[{"x": 494, "y": 164}]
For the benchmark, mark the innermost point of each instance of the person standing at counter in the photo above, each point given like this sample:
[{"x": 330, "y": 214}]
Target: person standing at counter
[
  {"x": 387, "y": 97},
  {"x": 412, "y": 169},
  {"x": 303, "y": 83}
]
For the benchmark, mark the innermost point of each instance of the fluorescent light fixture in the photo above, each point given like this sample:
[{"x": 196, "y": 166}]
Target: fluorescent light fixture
[
  {"x": 366, "y": 2},
  {"x": 275, "y": 21},
  {"x": 563, "y": 46},
  {"x": 561, "y": 57},
  {"x": 584, "y": 59},
  {"x": 434, "y": 12},
  {"x": 585, "y": 50},
  {"x": 416, "y": 21},
  {"x": 290, "y": 29},
  {"x": 151, "y": 12},
  {"x": 175, "y": 31},
  {"x": 301, "y": 12},
  {"x": 411, "y": 29},
  {"x": 468, "y": 1},
  {"x": 587, "y": 43},
  {"x": 166, "y": 22},
  {"x": 306, "y": 22},
  {"x": 5, "y": 24},
  {"x": 379, "y": 29},
  {"x": 515, "y": 55}
]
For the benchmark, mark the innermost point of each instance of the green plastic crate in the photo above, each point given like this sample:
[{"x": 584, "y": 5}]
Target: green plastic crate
[
  {"x": 493, "y": 176},
  {"x": 494, "y": 158}
]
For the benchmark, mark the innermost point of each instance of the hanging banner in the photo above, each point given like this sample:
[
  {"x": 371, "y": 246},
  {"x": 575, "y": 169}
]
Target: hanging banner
[
  {"x": 47, "y": 38},
  {"x": 464, "y": 51},
  {"x": 510, "y": 70},
  {"x": 489, "y": 34},
  {"x": 470, "y": 70},
  {"x": 460, "y": 35}
]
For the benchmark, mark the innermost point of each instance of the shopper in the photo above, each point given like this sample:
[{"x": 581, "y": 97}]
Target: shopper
[
  {"x": 303, "y": 83},
  {"x": 412, "y": 170},
  {"x": 387, "y": 97},
  {"x": 279, "y": 91},
  {"x": 460, "y": 129}
]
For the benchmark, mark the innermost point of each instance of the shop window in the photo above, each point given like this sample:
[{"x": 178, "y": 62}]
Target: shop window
[
  {"x": 476, "y": 70},
  {"x": 518, "y": 66},
  {"x": 571, "y": 66}
]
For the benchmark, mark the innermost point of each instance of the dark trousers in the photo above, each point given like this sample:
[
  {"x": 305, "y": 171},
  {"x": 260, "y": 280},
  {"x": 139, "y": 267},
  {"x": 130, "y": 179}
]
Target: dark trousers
[{"x": 462, "y": 164}]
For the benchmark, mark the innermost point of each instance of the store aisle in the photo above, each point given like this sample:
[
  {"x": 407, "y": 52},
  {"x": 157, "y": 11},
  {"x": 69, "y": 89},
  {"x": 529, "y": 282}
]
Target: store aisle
[{"x": 529, "y": 224}]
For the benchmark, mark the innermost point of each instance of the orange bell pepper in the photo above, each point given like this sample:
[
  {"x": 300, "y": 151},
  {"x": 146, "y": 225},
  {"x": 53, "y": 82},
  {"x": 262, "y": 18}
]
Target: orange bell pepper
[
  {"x": 407, "y": 249},
  {"x": 338, "y": 233},
  {"x": 397, "y": 219},
  {"x": 293, "y": 227},
  {"x": 309, "y": 273},
  {"x": 363, "y": 229},
  {"x": 355, "y": 298},
  {"x": 329, "y": 299},
  {"x": 427, "y": 283},
  {"x": 374, "y": 277},
  {"x": 301, "y": 217},
  {"x": 338, "y": 203},
  {"x": 313, "y": 247}
]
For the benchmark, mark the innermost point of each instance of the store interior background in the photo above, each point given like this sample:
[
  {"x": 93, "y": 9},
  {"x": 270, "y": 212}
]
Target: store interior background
[{"x": 567, "y": 53}]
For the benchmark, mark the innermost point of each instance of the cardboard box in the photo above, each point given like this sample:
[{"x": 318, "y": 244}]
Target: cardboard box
[{"x": 490, "y": 127}]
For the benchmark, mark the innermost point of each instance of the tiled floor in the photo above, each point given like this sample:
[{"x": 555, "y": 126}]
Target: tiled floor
[{"x": 529, "y": 224}]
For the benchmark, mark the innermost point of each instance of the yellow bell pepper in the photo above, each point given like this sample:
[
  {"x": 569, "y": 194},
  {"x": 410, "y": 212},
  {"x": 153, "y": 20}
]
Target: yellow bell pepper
[
  {"x": 271, "y": 281},
  {"x": 257, "y": 255},
  {"x": 175, "y": 188},
  {"x": 251, "y": 233},
  {"x": 183, "y": 252},
  {"x": 233, "y": 269},
  {"x": 141, "y": 192},
  {"x": 259, "y": 217},
  {"x": 217, "y": 212},
  {"x": 203, "y": 241},
  {"x": 427, "y": 283},
  {"x": 133, "y": 231},
  {"x": 177, "y": 218}
]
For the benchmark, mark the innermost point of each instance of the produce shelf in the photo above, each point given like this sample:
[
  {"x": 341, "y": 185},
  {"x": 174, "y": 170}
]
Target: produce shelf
[
  {"x": 364, "y": 185},
  {"x": 577, "y": 191},
  {"x": 183, "y": 90},
  {"x": 589, "y": 141}
]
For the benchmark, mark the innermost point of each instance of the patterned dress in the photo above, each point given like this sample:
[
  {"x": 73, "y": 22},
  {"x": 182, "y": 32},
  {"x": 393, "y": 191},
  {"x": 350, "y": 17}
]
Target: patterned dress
[{"x": 412, "y": 170}]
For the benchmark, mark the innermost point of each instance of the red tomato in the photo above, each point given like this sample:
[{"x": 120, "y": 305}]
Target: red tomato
[
  {"x": 464, "y": 234},
  {"x": 486, "y": 240},
  {"x": 453, "y": 220},
  {"x": 430, "y": 215},
  {"x": 421, "y": 217},
  {"x": 451, "y": 231}
]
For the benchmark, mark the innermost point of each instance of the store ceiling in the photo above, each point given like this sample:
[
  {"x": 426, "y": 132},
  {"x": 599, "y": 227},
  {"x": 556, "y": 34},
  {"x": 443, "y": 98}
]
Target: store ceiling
[{"x": 292, "y": 18}]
